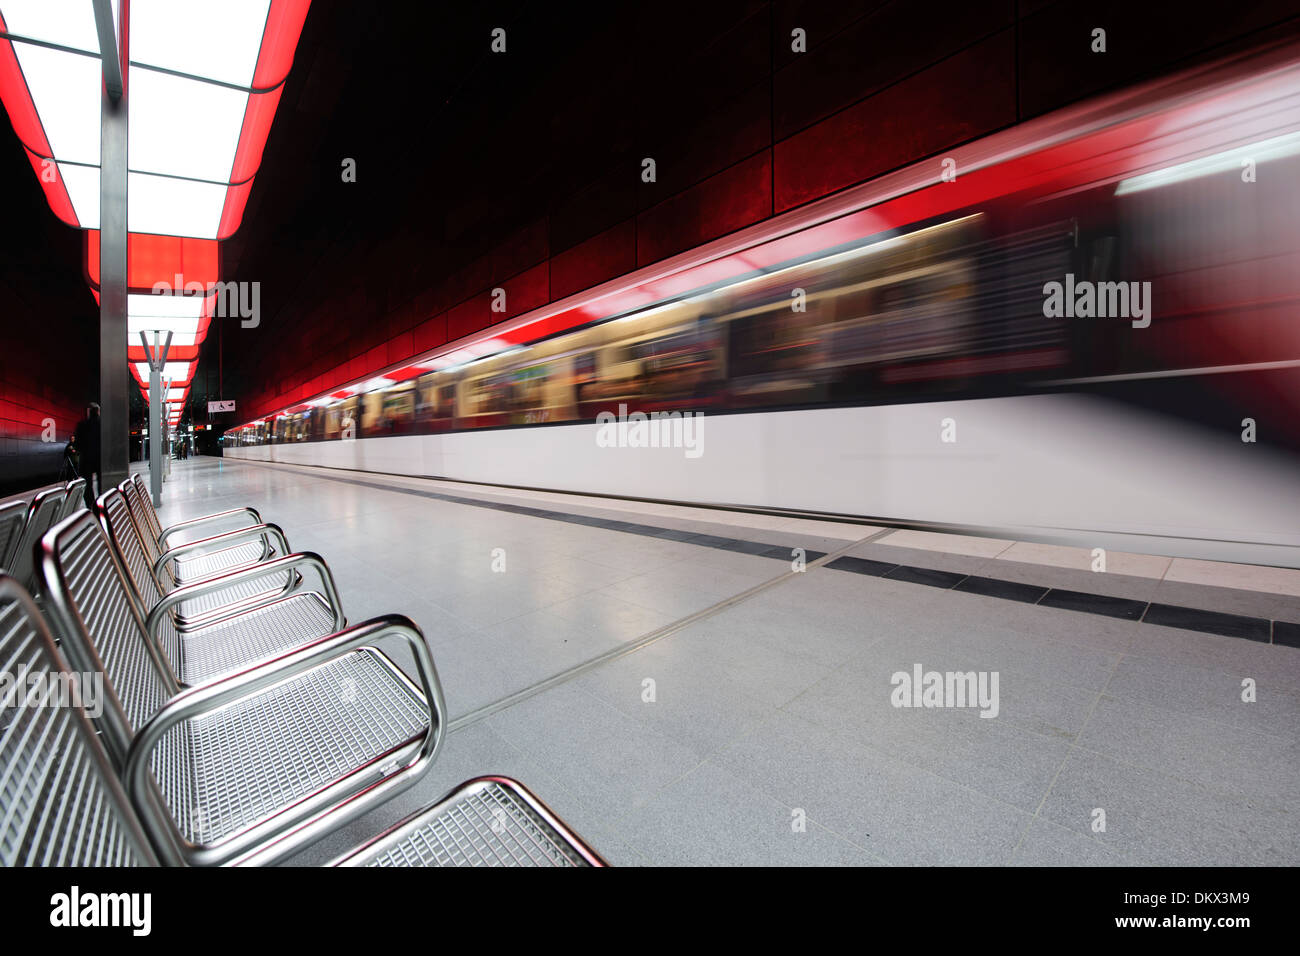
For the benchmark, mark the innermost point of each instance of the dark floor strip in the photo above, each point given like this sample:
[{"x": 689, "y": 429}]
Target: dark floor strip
[
  {"x": 782, "y": 553},
  {"x": 1167, "y": 615},
  {"x": 876, "y": 569},
  {"x": 926, "y": 576},
  {"x": 1094, "y": 604},
  {"x": 1007, "y": 590},
  {"x": 1209, "y": 622},
  {"x": 1284, "y": 632}
]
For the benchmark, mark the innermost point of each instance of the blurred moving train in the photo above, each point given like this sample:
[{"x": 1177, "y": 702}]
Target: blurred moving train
[{"x": 1089, "y": 335}]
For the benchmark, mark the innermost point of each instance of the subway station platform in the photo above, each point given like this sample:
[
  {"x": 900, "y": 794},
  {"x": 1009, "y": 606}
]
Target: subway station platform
[{"x": 696, "y": 686}]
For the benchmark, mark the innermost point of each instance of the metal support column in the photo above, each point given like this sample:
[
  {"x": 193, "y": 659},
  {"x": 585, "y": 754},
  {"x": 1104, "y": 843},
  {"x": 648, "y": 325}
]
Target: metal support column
[
  {"x": 114, "y": 377},
  {"x": 157, "y": 358}
]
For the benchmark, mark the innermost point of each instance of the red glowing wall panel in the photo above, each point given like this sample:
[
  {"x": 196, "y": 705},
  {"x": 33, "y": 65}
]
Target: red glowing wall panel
[
  {"x": 734, "y": 198},
  {"x": 398, "y": 348},
  {"x": 523, "y": 250},
  {"x": 430, "y": 333},
  {"x": 967, "y": 96},
  {"x": 601, "y": 257}
]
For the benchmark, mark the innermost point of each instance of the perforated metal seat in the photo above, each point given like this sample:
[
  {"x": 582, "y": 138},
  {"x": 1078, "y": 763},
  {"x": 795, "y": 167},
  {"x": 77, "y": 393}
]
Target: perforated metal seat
[
  {"x": 247, "y": 593},
  {"x": 252, "y": 637},
  {"x": 214, "y": 562},
  {"x": 487, "y": 821},
  {"x": 226, "y": 770},
  {"x": 250, "y": 767},
  {"x": 245, "y": 621}
]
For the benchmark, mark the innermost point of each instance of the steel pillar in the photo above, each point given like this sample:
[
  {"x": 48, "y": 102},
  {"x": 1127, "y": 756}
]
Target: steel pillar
[{"x": 114, "y": 377}]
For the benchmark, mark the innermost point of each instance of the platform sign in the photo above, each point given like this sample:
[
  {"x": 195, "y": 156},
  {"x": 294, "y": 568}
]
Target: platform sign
[{"x": 216, "y": 407}]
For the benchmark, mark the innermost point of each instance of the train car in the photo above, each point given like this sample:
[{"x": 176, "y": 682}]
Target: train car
[{"x": 1095, "y": 311}]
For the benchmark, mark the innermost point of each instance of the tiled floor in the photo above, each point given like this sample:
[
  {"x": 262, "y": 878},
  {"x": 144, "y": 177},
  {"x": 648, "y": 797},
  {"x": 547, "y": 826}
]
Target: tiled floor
[{"x": 707, "y": 704}]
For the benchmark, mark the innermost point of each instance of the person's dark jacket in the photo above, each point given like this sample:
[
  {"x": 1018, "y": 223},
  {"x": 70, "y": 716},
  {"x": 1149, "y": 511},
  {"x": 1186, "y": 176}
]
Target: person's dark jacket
[{"x": 86, "y": 440}]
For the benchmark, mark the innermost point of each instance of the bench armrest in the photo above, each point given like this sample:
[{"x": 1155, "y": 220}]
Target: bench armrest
[
  {"x": 264, "y": 531},
  {"x": 213, "y": 585},
  {"x": 206, "y": 519}
]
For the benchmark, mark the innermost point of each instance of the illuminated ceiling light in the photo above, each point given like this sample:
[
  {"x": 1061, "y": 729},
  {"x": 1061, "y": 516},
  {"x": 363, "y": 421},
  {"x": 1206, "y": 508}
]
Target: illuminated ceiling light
[
  {"x": 161, "y": 142},
  {"x": 173, "y": 395},
  {"x": 65, "y": 90},
  {"x": 154, "y": 259},
  {"x": 168, "y": 306},
  {"x": 69, "y": 23},
  {"x": 1278, "y": 147},
  {"x": 204, "y": 81},
  {"x": 184, "y": 331},
  {"x": 217, "y": 41},
  {"x": 172, "y": 371}
]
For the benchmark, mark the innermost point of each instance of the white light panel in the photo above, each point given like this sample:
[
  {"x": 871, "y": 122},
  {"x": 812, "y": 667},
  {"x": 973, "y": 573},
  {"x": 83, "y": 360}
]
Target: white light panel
[
  {"x": 217, "y": 39},
  {"x": 82, "y": 184},
  {"x": 65, "y": 89},
  {"x": 68, "y": 23},
  {"x": 166, "y": 306},
  {"x": 174, "y": 207},
  {"x": 175, "y": 371},
  {"x": 183, "y": 127}
]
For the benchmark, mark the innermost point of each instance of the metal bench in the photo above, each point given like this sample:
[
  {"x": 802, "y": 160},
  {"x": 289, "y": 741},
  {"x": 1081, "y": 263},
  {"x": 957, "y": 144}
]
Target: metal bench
[
  {"x": 194, "y": 606},
  {"x": 64, "y": 806},
  {"x": 251, "y": 767},
  {"x": 197, "y": 559},
  {"x": 74, "y": 498},
  {"x": 41, "y": 514}
]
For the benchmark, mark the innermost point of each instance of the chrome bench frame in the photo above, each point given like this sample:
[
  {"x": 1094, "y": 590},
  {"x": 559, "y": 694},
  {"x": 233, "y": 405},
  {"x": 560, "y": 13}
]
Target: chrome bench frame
[
  {"x": 312, "y": 805},
  {"x": 149, "y": 588},
  {"x": 70, "y": 808},
  {"x": 168, "y": 561}
]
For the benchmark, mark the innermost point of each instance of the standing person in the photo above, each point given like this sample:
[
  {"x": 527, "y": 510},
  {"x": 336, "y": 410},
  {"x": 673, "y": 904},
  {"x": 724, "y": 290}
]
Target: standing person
[{"x": 86, "y": 440}]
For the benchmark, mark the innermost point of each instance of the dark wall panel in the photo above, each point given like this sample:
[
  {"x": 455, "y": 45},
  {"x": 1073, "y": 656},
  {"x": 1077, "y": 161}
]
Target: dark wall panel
[{"x": 881, "y": 49}]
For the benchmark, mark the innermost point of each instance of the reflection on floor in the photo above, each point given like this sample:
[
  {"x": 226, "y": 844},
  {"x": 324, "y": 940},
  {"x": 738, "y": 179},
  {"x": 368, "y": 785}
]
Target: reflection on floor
[{"x": 668, "y": 681}]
